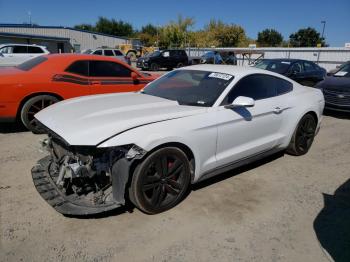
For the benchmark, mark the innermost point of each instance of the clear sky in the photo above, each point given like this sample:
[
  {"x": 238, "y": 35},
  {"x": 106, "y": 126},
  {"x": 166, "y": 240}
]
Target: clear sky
[{"x": 254, "y": 15}]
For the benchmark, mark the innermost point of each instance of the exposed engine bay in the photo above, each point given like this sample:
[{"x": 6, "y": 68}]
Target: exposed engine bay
[{"x": 81, "y": 180}]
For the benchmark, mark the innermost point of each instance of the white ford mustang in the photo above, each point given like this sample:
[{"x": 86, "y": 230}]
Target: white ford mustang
[{"x": 188, "y": 125}]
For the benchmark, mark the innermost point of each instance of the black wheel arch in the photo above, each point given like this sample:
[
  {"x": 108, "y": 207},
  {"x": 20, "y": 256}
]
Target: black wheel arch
[
  {"x": 26, "y": 98},
  {"x": 184, "y": 148}
]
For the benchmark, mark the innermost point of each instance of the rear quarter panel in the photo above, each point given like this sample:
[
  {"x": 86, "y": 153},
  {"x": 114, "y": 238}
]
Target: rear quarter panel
[{"x": 301, "y": 101}]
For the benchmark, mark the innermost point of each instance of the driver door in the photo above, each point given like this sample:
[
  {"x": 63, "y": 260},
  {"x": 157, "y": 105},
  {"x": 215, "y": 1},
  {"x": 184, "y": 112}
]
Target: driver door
[{"x": 249, "y": 131}]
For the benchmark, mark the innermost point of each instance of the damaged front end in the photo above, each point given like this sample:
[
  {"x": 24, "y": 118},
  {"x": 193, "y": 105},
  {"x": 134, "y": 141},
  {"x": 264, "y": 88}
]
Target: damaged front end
[{"x": 83, "y": 180}]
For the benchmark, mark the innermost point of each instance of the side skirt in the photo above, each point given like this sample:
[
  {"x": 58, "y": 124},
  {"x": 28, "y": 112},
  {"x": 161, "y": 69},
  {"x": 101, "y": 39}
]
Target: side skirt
[{"x": 238, "y": 163}]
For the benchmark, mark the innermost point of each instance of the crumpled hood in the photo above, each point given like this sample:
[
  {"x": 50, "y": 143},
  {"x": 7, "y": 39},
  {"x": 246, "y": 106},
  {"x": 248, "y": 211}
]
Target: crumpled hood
[{"x": 92, "y": 119}]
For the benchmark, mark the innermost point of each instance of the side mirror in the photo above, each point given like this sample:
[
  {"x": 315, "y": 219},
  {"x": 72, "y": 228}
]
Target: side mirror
[
  {"x": 241, "y": 101},
  {"x": 135, "y": 78}
]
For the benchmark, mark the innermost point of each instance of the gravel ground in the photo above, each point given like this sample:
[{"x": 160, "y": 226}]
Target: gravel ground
[{"x": 263, "y": 212}]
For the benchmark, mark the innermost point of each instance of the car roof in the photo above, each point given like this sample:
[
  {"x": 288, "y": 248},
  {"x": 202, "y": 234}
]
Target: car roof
[
  {"x": 21, "y": 45},
  {"x": 237, "y": 71},
  {"x": 69, "y": 56},
  {"x": 285, "y": 59}
]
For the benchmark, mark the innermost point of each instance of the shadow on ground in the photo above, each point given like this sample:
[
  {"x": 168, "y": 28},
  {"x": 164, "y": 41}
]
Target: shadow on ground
[
  {"x": 336, "y": 114},
  {"x": 332, "y": 224},
  {"x": 6, "y": 128},
  {"x": 129, "y": 207}
]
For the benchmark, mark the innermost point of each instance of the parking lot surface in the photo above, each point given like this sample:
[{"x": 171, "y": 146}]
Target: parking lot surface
[{"x": 263, "y": 212}]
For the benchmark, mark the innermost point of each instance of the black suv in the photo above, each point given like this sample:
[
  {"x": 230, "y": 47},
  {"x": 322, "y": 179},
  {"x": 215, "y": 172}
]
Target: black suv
[{"x": 168, "y": 58}]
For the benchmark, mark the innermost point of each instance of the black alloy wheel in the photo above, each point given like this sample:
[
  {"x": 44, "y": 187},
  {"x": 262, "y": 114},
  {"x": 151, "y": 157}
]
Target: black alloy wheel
[
  {"x": 33, "y": 106},
  {"x": 161, "y": 181},
  {"x": 303, "y": 136}
]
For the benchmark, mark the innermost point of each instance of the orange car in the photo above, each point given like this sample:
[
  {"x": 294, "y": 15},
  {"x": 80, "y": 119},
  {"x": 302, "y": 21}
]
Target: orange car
[{"x": 29, "y": 87}]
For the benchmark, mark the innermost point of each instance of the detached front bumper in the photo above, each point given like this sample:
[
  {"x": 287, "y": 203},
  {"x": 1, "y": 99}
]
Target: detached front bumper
[{"x": 69, "y": 205}]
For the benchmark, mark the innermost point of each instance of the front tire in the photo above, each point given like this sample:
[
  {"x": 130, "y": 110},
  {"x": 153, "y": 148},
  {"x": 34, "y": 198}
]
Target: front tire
[
  {"x": 161, "y": 181},
  {"x": 303, "y": 136},
  {"x": 33, "y": 106}
]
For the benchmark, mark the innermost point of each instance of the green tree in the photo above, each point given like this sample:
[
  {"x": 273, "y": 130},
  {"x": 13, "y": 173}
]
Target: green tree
[
  {"x": 114, "y": 27},
  {"x": 220, "y": 34},
  {"x": 148, "y": 35},
  {"x": 176, "y": 34},
  {"x": 306, "y": 37},
  {"x": 269, "y": 37},
  {"x": 87, "y": 27}
]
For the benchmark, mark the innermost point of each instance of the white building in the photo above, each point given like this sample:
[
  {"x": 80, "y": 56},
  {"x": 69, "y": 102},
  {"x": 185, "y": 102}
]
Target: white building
[{"x": 57, "y": 38}]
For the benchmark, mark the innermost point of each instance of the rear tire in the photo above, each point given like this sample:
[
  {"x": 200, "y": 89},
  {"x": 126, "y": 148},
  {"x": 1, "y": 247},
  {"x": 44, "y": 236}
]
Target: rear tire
[
  {"x": 161, "y": 181},
  {"x": 132, "y": 56},
  {"x": 179, "y": 65},
  {"x": 303, "y": 136},
  {"x": 33, "y": 106},
  {"x": 154, "y": 67}
]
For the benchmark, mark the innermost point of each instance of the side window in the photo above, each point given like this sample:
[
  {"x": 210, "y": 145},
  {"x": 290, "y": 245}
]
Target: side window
[
  {"x": 282, "y": 86},
  {"x": 79, "y": 68},
  {"x": 309, "y": 67},
  {"x": 118, "y": 53},
  {"x": 256, "y": 86},
  {"x": 109, "y": 53},
  {"x": 98, "y": 52},
  {"x": 34, "y": 50},
  {"x": 166, "y": 54},
  {"x": 108, "y": 69},
  {"x": 19, "y": 50},
  {"x": 6, "y": 50},
  {"x": 296, "y": 68}
]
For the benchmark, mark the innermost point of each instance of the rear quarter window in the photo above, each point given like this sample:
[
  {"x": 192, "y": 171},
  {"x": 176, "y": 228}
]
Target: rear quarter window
[{"x": 32, "y": 63}]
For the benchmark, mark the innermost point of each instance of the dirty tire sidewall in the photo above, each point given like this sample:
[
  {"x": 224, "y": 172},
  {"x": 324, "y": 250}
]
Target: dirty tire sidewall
[
  {"x": 293, "y": 148},
  {"x": 135, "y": 190},
  {"x": 27, "y": 107}
]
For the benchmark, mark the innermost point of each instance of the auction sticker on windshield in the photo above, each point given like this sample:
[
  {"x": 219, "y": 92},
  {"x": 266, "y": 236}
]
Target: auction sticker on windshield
[{"x": 220, "y": 76}]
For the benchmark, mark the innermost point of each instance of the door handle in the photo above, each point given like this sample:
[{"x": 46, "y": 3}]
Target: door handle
[
  {"x": 277, "y": 110},
  {"x": 95, "y": 82}
]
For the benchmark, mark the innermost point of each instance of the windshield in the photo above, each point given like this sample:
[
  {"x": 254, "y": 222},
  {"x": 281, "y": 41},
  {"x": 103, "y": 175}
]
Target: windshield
[
  {"x": 190, "y": 87},
  {"x": 274, "y": 66},
  {"x": 156, "y": 53},
  {"x": 343, "y": 71}
]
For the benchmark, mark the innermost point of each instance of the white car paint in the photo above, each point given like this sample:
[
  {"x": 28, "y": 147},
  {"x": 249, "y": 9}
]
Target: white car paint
[
  {"x": 9, "y": 56},
  {"x": 216, "y": 135},
  {"x": 111, "y": 52}
]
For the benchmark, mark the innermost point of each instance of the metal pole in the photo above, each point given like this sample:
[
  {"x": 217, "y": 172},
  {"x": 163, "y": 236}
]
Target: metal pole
[{"x": 324, "y": 25}]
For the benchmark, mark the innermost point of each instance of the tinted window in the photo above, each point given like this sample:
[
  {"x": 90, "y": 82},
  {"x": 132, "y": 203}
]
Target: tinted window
[
  {"x": 79, "y": 68},
  {"x": 109, "y": 53},
  {"x": 118, "y": 53},
  {"x": 282, "y": 86},
  {"x": 296, "y": 68},
  {"x": 108, "y": 69},
  {"x": 30, "y": 64},
  {"x": 309, "y": 67},
  {"x": 19, "y": 50},
  {"x": 98, "y": 52},
  {"x": 255, "y": 86},
  {"x": 274, "y": 65},
  {"x": 35, "y": 50}
]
